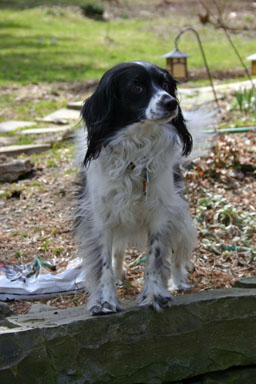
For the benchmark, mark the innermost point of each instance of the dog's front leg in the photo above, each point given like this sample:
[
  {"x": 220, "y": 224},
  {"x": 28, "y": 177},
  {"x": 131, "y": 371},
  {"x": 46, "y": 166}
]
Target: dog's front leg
[
  {"x": 103, "y": 299},
  {"x": 156, "y": 275}
]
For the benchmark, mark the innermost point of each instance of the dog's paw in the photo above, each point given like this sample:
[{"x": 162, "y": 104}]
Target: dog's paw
[
  {"x": 157, "y": 300},
  {"x": 120, "y": 278},
  {"x": 179, "y": 286},
  {"x": 119, "y": 283},
  {"x": 103, "y": 304},
  {"x": 103, "y": 301},
  {"x": 104, "y": 308}
]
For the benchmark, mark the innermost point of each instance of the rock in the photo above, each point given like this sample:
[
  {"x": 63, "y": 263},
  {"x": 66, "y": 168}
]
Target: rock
[
  {"x": 7, "y": 140},
  {"x": 75, "y": 105},
  {"x": 202, "y": 333},
  {"x": 13, "y": 170},
  {"x": 246, "y": 282},
  {"x": 12, "y": 125},
  {"x": 13, "y": 150},
  {"x": 62, "y": 116},
  {"x": 196, "y": 99},
  {"x": 42, "y": 131},
  {"x": 37, "y": 308},
  {"x": 5, "y": 311},
  {"x": 245, "y": 375},
  {"x": 225, "y": 88}
]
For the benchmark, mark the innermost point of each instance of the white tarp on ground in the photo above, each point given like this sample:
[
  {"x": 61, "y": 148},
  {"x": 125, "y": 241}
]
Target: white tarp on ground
[{"x": 41, "y": 286}]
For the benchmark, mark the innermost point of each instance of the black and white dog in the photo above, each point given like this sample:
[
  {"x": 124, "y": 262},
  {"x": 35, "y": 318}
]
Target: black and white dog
[{"x": 131, "y": 190}]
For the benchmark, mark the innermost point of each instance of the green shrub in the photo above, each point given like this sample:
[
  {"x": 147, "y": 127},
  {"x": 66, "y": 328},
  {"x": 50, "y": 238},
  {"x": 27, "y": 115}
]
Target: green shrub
[{"x": 93, "y": 10}]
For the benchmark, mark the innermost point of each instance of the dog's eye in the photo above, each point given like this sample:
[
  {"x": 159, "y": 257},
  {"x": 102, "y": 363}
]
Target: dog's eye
[
  {"x": 136, "y": 89},
  {"x": 165, "y": 86}
]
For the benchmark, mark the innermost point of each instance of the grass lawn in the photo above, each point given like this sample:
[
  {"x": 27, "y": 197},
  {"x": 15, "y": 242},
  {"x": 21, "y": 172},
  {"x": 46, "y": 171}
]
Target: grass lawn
[
  {"x": 46, "y": 45},
  {"x": 52, "y": 44}
]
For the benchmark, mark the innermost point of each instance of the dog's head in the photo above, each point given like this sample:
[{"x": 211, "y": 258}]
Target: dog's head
[{"x": 130, "y": 93}]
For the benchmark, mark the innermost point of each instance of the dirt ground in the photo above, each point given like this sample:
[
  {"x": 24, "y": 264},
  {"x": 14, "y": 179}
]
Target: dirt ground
[
  {"x": 36, "y": 218},
  {"x": 36, "y": 212},
  {"x": 237, "y": 15}
]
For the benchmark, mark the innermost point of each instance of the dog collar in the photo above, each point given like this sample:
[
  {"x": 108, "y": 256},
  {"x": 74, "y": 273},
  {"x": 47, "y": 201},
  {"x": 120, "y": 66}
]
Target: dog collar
[{"x": 145, "y": 178}]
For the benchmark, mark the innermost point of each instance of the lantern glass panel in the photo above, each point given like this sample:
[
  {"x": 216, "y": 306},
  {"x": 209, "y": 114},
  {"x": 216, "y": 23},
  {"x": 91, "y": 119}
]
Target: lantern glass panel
[
  {"x": 179, "y": 69},
  {"x": 169, "y": 65},
  {"x": 253, "y": 67}
]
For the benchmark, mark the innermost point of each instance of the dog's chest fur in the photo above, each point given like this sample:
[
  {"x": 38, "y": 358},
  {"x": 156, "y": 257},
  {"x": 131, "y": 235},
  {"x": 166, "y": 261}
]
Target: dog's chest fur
[{"x": 133, "y": 176}]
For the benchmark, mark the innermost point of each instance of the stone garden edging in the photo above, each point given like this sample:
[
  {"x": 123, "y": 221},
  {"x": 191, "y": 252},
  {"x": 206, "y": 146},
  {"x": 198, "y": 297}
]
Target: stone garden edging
[{"x": 204, "y": 332}]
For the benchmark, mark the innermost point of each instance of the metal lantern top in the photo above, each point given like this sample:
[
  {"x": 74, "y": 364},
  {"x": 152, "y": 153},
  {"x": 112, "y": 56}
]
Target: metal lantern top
[
  {"x": 176, "y": 54},
  {"x": 252, "y": 57}
]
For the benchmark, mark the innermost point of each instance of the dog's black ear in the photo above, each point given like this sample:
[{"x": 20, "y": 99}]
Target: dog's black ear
[
  {"x": 97, "y": 113},
  {"x": 183, "y": 133}
]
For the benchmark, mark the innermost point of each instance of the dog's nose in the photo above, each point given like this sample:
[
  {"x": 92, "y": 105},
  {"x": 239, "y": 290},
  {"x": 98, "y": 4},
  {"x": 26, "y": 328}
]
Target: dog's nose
[{"x": 169, "y": 102}]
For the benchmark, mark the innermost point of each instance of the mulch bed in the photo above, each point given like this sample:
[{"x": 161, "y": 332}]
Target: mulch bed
[{"x": 36, "y": 218}]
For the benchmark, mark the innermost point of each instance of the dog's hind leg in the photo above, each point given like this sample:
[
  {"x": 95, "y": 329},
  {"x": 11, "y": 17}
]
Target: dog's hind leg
[
  {"x": 119, "y": 272},
  {"x": 181, "y": 256},
  {"x": 157, "y": 272},
  {"x": 179, "y": 272}
]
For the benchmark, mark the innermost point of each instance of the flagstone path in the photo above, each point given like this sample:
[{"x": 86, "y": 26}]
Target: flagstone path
[
  {"x": 65, "y": 119},
  {"x": 12, "y": 125}
]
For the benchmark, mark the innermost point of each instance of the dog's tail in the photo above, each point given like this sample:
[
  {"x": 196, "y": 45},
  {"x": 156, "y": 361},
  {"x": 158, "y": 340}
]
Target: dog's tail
[{"x": 200, "y": 124}]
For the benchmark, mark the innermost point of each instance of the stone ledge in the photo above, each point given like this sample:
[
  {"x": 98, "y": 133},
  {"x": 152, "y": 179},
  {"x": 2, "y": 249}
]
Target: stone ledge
[
  {"x": 246, "y": 282},
  {"x": 237, "y": 375},
  {"x": 203, "y": 332},
  {"x": 15, "y": 150}
]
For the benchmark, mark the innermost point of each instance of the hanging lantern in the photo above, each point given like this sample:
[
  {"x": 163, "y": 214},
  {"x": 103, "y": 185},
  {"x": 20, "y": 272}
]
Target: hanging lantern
[
  {"x": 176, "y": 62},
  {"x": 252, "y": 58}
]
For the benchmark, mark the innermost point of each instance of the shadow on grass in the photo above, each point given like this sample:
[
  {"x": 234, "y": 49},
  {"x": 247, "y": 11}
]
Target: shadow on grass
[
  {"x": 23, "y": 4},
  {"x": 27, "y": 68},
  {"x": 11, "y": 25},
  {"x": 35, "y": 57},
  {"x": 35, "y": 41}
]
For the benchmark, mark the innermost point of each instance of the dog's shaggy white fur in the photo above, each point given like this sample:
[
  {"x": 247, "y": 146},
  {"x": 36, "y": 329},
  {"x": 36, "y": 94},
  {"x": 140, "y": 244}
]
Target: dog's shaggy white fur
[{"x": 129, "y": 196}]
